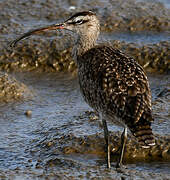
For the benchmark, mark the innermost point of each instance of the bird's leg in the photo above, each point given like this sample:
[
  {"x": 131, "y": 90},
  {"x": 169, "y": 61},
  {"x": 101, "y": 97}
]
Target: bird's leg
[
  {"x": 107, "y": 139},
  {"x": 123, "y": 143}
]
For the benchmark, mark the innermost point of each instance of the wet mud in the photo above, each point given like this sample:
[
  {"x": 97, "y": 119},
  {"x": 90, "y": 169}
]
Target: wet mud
[
  {"x": 63, "y": 137},
  {"x": 12, "y": 90},
  {"x": 47, "y": 130},
  {"x": 51, "y": 51},
  {"x": 46, "y": 56}
]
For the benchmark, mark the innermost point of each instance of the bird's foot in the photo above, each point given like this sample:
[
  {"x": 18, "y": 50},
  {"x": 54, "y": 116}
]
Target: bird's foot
[{"x": 120, "y": 167}]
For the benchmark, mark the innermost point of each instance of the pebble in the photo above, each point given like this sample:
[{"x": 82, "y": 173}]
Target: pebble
[{"x": 28, "y": 113}]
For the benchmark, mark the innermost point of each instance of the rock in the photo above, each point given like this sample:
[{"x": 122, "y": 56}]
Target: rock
[
  {"x": 11, "y": 89},
  {"x": 28, "y": 113}
]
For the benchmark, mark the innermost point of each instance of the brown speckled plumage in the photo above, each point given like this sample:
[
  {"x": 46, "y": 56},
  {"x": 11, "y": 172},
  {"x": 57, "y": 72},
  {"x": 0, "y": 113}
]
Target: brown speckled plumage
[
  {"x": 116, "y": 85},
  {"x": 113, "y": 84}
]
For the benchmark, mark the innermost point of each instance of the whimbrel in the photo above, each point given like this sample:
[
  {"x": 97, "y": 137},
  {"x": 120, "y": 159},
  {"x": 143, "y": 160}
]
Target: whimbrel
[{"x": 113, "y": 84}]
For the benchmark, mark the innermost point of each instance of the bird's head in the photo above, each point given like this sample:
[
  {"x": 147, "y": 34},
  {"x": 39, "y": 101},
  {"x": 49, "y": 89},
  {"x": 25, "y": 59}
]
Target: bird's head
[{"x": 83, "y": 23}]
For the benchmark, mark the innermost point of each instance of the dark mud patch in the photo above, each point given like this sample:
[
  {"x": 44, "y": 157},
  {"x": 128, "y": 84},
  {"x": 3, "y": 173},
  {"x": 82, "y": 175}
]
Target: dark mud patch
[{"x": 92, "y": 146}]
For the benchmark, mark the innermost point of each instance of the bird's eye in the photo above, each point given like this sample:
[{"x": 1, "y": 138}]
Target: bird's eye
[{"x": 79, "y": 21}]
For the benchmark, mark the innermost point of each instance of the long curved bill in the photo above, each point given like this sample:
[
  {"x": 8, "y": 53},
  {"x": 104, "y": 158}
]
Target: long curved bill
[{"x": 37, "y": 31}]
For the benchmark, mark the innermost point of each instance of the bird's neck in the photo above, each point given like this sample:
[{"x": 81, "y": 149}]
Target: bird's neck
[{"x": 83, "y": 44}]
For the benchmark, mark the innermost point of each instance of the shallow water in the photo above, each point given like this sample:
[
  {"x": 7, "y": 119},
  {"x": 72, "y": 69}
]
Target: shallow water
[
  {"x": 164, "y": 2},
  {"x": 137, "y": 37},
  {"x": 157, "y": 167},
  {"x": 58, "y": 111}
]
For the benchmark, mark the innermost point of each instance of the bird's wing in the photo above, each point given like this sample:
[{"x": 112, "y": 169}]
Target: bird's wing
[
  {"x": 125, "y": 85},
  {"x": 117, "y": 85}
]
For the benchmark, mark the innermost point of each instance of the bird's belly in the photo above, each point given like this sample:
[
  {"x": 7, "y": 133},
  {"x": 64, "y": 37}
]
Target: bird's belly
[
  {"x": 90, "y": 96},
  {"x": 95, "y": 99}
]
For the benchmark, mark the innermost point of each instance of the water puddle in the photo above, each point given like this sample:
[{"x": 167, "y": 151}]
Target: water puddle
[
  {"x": 137, "y": 37},
  {"x": 157, "y": 167},
  {"x": 166, "y": 3},
  {"x": 57, "y": 110}
]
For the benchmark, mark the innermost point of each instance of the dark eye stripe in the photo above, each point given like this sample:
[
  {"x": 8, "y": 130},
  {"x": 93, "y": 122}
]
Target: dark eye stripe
[
  {"x": 78, "y": 22},
  {"x": 85, "y": 13}
]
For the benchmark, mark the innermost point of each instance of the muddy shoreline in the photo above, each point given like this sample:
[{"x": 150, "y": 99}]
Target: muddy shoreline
[
  {"x": 47, "y": 130},
  {"x": 63, "y": 138},
  {"x": 46, "y": 56},
  {"x": 51, "y": 51}
]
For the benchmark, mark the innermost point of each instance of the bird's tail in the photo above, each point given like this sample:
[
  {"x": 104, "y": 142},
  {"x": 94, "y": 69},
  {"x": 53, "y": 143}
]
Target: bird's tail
[{"x": 143, "y": 132}]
